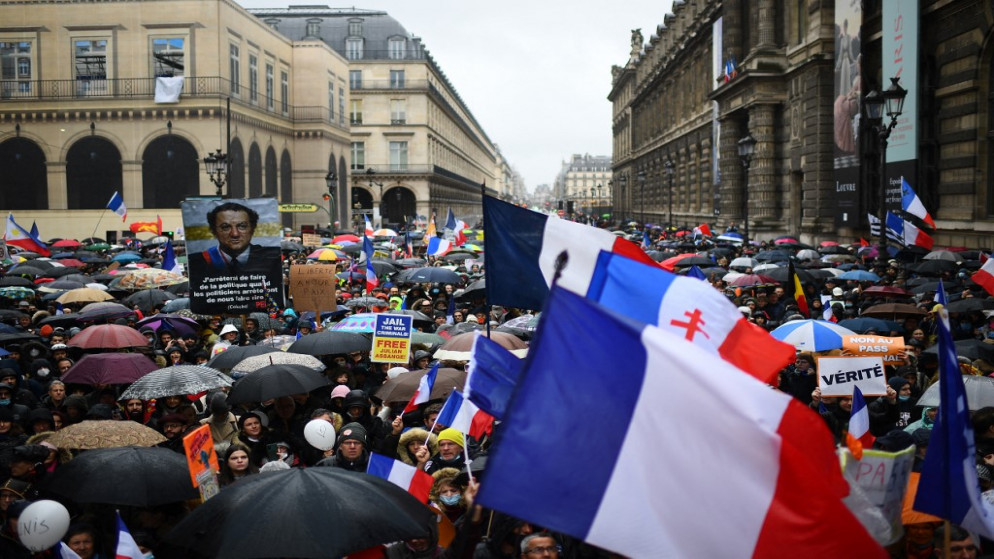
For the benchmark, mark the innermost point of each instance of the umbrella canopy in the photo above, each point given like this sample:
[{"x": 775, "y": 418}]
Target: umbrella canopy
[
  {"x": 742, "y": 263},
  {"x": 147, "y": 278},
  {"x": 66, "y": 243},
  {"x": 811, "y": 335},
  {"x": 181, "y": 325},
  {"x": 104, "y": 311},
  {"x": 979, "y": 392},
  {"x": 971, "y": 349},
  {"x": 346, "y": 237},
  {"x": 808, "y": 254},
  {"x": 751, "y": 280},
  {"x": 893, "y": 311},
  {"x": 109, "y": 368},
  {"x": 178, "y": 380},
  {"x": 148, "y": 299},
  {"x": 865, "y": 324},
  {"x": 384, "y": 233},
  {"x": 16, "y": 281},
  {"x": 357, "y": 302},
  {"x": 17, "y": 292},
  {"x": 252, "y": 364},
  {"x": 176, "y": 305},
  {"x": 970, "y": 304},
  {"x": 426, "y": 338},
  {"x": 773, "y": 256},
  {"x": 403, "y": 387},
  {"x": 291, "y": 246},
  {"x": 935, "y": 267},
  {"x": 232, "y": 356},
  {"x": 886, "y": 291},
  {"x": 859, "y": 275},
  {"x": 428, "y": 275},
  {"x": 331, "y": 342},
  {"x": 340, "y": 512},
  {"x": 61, "y": 285},
  {"x": 362, "y": 323},
  {"x": 128, "y": 476},
  {"x": 459, "y": 347},
  {"x": 942, "y": 255},
  {"x": 273, "y": 381},
  {"x": 108, "y": 336},
  {"x": 91, "y": 434},
  {"x": 782, "y": 275}
]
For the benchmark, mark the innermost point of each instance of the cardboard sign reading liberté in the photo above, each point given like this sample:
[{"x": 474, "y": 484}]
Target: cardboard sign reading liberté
[
  {"x": 392, "y": 338},
  {"x": 313, "y": 287},
  {"x": 837, "y": 376}
]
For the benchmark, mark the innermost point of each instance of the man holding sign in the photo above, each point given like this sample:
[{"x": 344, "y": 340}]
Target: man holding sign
[{"x": 893, "y": 411}]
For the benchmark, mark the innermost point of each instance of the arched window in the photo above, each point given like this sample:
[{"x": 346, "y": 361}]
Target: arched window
[
  {"x": 255, "y": 171},
  {"x": 93, "y": 173},
  {"x": 286, "y": 186},
  {"x": 170, "y": 172},
  {"x": 399, "y": 207},
  {"x": 271, "y": 173},
  {"x": 24, "y": 181},
  {"x": 236, "y": 170}
]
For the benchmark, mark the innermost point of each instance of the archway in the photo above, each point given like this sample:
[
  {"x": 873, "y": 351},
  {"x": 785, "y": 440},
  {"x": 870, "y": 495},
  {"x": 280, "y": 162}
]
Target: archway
[
  {"x": 399, "y": 207},
  {"x": 271, "y": 173},
  {"x": 255, "y": 171},
  {"x": 93, "y": 173},
  {"x": 24, "y": 181},
  {"x": 286, "y": 186},
  {"x": 236, "y": 170},
  {"x": 170, "y": 172}
]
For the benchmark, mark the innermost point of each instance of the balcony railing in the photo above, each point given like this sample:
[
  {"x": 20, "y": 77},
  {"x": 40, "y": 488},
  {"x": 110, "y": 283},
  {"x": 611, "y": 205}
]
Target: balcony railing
[
  {"x": 389, "y": 84},
  {"x": 12, "y": 91},
  {"x": 359, "y": 171}
]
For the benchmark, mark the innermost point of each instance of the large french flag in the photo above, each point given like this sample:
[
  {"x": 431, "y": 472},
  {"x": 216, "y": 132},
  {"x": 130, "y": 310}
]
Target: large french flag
[
  {"x": 522, "y": 248},
  {"x": 911, "y": 203},
  {"x": 19, "y": 237},
  {"x": 949, "y": 487},
  {"x": 127, "y": 548},
  {"x": 423, "y": 393},
  {"x": 910, "y": 234},
  {"x": 463, "y": 416},
  {"x": 493, "y": 374},
  {"x": 438, "y": 246},
  {"x": 371, "y": 280},
  {"x": 859, "y": 420},
  {"x": 116, "y": 205},
  {"x": 369, "y": 227},
  {"x": 985, "y": 276},
  {"x": 456, "y": 226},
  {"x": 689, "y": 308},
  {"x": 652, "y": 488},
  {"x": 405, "y": 476}
]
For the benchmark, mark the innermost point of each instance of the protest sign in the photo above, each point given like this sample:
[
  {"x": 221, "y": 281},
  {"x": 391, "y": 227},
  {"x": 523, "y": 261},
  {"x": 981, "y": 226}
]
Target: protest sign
[
  {"x": 889, "y": 349},
  {"x": 313, "y": 287},
  {"x": 310, "y": 240},
  {"x": 837, "y": 376},
  {"x": 198, "y": 447},
  {"x": 882, "y": 478},
  {"x": 392, "y": 338}
]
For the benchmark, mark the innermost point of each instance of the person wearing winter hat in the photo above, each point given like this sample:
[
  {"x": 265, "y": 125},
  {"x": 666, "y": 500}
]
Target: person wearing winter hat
[
  {"x": 800, "y": 380},
  {"x": 27, "y": 462},
  {"x": 421, "y": 359},
  {"x": 451, "y": 445},
  {"x": 224, "y": 424},
  {"x": 893, "y": 411},
  {"x": 75, "y": 408},
  {"x": 10, "y": 543},
  {"x": 227, "y": 338},
  {"x": 352, "y": 453}
]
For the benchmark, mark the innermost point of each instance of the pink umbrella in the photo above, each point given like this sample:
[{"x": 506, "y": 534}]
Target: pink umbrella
[
  {"x": 66, "y": 243},
  {"x": 108, "y": 336},
  {"x": 109, "y": 368}
]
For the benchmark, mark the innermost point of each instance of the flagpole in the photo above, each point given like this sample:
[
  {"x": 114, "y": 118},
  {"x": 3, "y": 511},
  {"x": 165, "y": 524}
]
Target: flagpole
[
  {"x": 486, "y": 300},
  {"x": 99, "y": 219}
]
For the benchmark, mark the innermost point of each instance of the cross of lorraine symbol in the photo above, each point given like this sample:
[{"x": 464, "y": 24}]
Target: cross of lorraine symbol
[{"x": 693, "y": 324}]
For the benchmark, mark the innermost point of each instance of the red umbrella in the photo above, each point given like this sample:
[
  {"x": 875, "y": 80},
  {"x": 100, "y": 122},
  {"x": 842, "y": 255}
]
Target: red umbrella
[
  {"x": 828, "y": 244},
  {"x": 66, "y": 243},
  {"x": 670, "y": 263},
  {"x": 749, "y": 280},
  {"x": 109, "y": 368},
  {"x": 108, "y": 336},
  {"x": 887, "y": 291},
  {"x": 346, "y": 237},
  {"x": 72, "y": 262}
]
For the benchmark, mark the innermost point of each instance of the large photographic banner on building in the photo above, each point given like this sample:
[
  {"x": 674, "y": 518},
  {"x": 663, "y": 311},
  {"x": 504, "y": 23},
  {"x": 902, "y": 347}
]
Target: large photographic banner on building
[
  {"x": 718, "y": 77},
  {"x": 847, "y": 94},
  {"x": 233, "y": 249},
  {"x": 900, "y": 60}
]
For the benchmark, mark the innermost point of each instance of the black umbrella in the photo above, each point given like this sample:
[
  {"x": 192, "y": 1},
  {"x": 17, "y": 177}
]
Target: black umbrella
[
  {"x": 475, "y": 290},
  {"x": 773, "y": 256},
  {"x": 971, "y": 349},
  {"x": 66, "y": 320},
  {"x": 64, "y": 272},
  {"x": 291, "y": 246},
  {"x": 233, "y": 356},
  {"x": 331, "y": 512},
  {"x": 127, "y": 476},
  {"x": 331, "y": 342},
  {"x": 694, "y": 261},
  {"x": 104, "y": 310},
  {"x": 148, "y": 299},
  {"x": 356, "y": 302},
  {"x": 60, "y": 285},
  {"x": 970, "y": 304},
  {"x": 782, "y": 274},
  {"x": 428, "y": 275},
  {"x": 274, "y": 381},
  {"x": 411, "y": 262},
  {"x": 16, "y": 281},
  {"x": 935, "y": 267},
  {"x": 8, "y": 338}
]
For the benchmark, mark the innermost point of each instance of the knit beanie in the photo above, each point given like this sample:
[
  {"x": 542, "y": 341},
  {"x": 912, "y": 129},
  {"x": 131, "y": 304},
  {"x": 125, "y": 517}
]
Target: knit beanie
[
  {"x": 453, "y": 435},
  {"x": 353, "y": 432},
  {"x": 897, "y": 383}
]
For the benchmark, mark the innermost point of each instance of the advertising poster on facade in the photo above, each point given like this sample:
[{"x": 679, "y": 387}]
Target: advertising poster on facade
[{"x": 846, "y": 107}]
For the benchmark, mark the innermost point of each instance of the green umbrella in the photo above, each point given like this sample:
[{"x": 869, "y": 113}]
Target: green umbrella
[{"x": 98, "y": 246}]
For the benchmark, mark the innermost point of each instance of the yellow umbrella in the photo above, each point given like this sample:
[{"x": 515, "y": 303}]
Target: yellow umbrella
[{"x": 84, "y": 295}]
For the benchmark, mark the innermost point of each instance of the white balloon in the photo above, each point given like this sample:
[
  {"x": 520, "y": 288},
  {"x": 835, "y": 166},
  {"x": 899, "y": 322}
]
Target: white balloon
[
  {"x": 320, "y": 434},
  {"x": 42, "y": 525}
]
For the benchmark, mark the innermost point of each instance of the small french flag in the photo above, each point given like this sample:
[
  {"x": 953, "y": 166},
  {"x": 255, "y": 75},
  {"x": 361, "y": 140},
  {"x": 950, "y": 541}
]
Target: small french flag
[
  {"x": 859, "y": 420},
  {"x": 369, "y": 227},
  {"x": 116, "y": 205},
  {"x": 405, "y": 476},
  {"x": 985, "y": 275},
  {"x": 439, "y": 247},
  {"x": 423, "y": 393},
  {"x": 127, "y": 548},
  {"x": 464, "y": 416}
]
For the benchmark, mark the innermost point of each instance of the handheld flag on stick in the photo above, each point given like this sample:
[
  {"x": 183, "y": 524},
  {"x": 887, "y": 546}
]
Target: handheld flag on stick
[
  {"x": 859, "y": 420},
  {"x": 423, "y": 393},
  {"x": 456, "y": 226},
  {"x": 985, "y": 276},
  {"x": 127, "y": 548},
  {"x": 464, "y": 416},
  {"x": 19, "y": 237},
  {"x": 796, "y": 291},
  {"x": 911, "y": 203},
  {"x": 416, "y": 482},
  {"x": 369, "y": 227},
  {"x": 116, "y": 205},
  {"x": 371, "y": 280},
  {"x": 169, "y": 259}
]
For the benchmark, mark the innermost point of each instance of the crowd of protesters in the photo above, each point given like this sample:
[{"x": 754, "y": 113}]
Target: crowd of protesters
[{"x": 256, "y": 438}]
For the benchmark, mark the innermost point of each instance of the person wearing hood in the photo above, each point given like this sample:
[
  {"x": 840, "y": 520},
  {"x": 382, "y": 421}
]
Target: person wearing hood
[
  {"x": 357, "y": 410},
  {"x": 446, "y": 494},
  {"x": 927, "y": 420},
  {"x": 18, "y": 412},
  {"x": 352, "y": 453},
  {"x": 11, "y": 437},
  {"x": 411, "y": 441},
  {"x": 227, "y": 338},
  {"x": 223, "y": 423},
  {"x": 75, "y": 409},
  {"x": 893, "y": 411},
  {"x": 19, "y": 395}
]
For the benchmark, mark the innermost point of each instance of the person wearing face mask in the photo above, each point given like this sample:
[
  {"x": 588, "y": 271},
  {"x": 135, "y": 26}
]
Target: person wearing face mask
[
  {"x": 446, "y": 493},
  {"x": 18, "y": 412},
  {"x": 893, "y": 411}
]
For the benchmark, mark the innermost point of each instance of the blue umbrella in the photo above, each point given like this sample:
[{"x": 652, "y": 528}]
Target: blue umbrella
[
  {"x": 126, "y": 257},
  {"x": 858, "y": 275},
  {"x": 812, "y": 335},
  {"x": 864, "y": 324},
  {"x": 176, "y": 305}
]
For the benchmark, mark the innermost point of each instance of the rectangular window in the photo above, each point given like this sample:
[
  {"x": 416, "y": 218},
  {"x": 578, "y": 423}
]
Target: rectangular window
[
  {"x": 341, "y": 106},
  {"x": 234, "y": 69},
  {"x": 398, "y": 111},
  {"x": 331, "y": 101},
  {"x": 90, "y": 63},
  {"x": 270, "y": 87},
  {"x": 355, "y": 79},
  {"x": 358, "y": 155},
  {"x": 355, "y": 27},
  {"x": 168, "y": 57},
  {"x": 396, "y": 79},
  {"x": 353, "y": 48},
  {"x": 398, "y": 156},
  {"x": 285, "y": 91},
  {"x": 355, "y": 115},
  {"x": 253, "y": 78},
  {"x": 397, "y": 48},
  {"x": 16, "y": 64}
]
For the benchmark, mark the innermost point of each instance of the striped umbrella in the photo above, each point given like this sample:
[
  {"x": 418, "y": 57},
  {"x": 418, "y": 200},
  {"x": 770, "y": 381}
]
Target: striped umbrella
[{"x": 812, "y": 335}]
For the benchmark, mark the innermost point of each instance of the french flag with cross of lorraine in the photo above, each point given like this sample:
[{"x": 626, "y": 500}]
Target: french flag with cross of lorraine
[{"x": 689, "y": 308}]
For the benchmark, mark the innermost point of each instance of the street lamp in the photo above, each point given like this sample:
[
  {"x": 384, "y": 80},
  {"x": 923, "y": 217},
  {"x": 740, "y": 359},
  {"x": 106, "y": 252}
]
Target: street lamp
[
  {"x": 668, "y": 165},
  {"x": 217, "y": 169},
  {"x": 747, "y": 146},
  {"x": 621, "y": 198},
  {"x": 369, "y": 174},
  {"x": 641, "y": 177},
  {"x": 331, "y": 180},
  {"x": 891, "y": 100}
]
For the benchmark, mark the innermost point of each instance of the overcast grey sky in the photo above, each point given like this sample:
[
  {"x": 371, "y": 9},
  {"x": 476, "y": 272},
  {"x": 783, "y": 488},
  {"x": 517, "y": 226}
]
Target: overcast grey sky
[{"x": 534, "y": 74}]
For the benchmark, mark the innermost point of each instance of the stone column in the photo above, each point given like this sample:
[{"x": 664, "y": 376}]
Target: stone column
[
  {"x": 762, "y": 171},
  {"x": 767, "y": 15},
  {"x": 731, "y": 189}
]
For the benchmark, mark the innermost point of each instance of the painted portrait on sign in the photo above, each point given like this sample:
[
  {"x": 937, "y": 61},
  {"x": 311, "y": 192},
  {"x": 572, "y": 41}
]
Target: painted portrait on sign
[{"x": 233, "y": 249}]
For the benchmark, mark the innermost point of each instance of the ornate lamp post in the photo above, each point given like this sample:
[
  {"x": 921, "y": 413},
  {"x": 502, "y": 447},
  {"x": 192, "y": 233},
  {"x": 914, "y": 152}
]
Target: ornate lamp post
[
  {"x": 331, "y": 180},
  {"x": 217, "y": 169},
  {"x": 641, "y": 178},
  {"x": 891, "y": 100},
  {"x": 747, "y": 146},
  {"x": 670, "y": 171}
]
